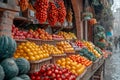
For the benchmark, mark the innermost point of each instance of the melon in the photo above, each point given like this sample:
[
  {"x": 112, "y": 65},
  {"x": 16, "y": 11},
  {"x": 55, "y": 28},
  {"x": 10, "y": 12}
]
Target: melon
[
  {"x": 25, "y": 77},
  {"x": 10, "y": 68},
  {"x": 7, "y": 47},
  {"x": 16, "y": 78},
  {"x": 2, "y": 74},
  {"x": 23, "y": 65}
]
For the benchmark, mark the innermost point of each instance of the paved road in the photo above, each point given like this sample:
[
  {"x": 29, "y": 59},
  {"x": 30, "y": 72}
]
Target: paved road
[{"x": 113, "y": 67}]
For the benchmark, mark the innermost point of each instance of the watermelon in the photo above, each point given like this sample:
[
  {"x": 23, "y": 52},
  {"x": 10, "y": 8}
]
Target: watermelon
[
  {"x": 2, "y": 74},
  {"x": 16, "y": 78},
  {"x": 10, "y": 68},
  {"x": 23, "y": 65},
  {"x": 25, "y": 77},
  {"x": 7, "y": 47}
]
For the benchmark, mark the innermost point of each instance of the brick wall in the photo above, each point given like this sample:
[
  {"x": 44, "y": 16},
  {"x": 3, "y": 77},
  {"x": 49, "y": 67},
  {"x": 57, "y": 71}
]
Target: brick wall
[{"x": 6, "y": 21}]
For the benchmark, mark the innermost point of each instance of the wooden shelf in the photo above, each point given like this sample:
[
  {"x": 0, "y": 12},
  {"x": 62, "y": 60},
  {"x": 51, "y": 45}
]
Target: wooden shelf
[{"x": 4, "y": 6}]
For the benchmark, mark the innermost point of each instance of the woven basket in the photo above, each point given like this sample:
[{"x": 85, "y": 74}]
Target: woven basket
[
  {"x": 57, "y": 57},
  {"x": 52, "y": 42},
  {"x": 35, "y": 65},
  {"x": 36, "y": 41},
  {"x": 20, "y": 41}
]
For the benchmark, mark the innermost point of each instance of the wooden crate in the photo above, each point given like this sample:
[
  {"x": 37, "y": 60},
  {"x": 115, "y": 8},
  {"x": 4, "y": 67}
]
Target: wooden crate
[
  {"x": 51, "y": 42},
  {"x": 57, "y": 57},
  {"x": 36, "y": 41},
  {"x": 69, "y": 53},
  {"x": 35, "y": 65},
  {"x": 20, "y": 41},
  {"x": 95, "y": 65}
]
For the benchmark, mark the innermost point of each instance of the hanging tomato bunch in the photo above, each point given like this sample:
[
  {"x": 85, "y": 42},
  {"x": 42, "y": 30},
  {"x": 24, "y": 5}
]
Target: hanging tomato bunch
[
  {"x": 61, "y": 11},
  {"x": 52, "y": 14},
  {"x": 41, "y": 7},
  {"x": 24, "y": 4}
]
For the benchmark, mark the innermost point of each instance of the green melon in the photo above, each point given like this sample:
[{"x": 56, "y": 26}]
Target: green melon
[
  {"x": 25, "y": 77},
  {"x": 7, "y": 47},
  {"x": 23, "y": 65},
  {"x": 16, "y": 78},
  {"x": 2, "y": 74},
  {"x": 10, "y": 68}
]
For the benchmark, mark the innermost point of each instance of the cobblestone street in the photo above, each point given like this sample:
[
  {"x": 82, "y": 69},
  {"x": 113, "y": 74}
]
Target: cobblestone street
[{"x": 113, "y": 67}]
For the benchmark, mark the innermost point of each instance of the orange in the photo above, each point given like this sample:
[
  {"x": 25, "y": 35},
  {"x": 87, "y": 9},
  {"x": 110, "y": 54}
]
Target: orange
[
  {"x": 63, "y": 64},
  {"x": 73, "y": 71},
  {"x": 63, "y": 59},
  {"x": 37, "y": 57},
  {"x": 68, "y": 67},
  {"x": 59, "y": 62},
  {"x": 32, "y": 58},
  {"x": 30, "y": 54}
]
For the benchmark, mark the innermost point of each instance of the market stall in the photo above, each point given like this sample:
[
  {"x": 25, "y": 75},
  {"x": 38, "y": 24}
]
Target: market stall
[{"x": 42, "y": 44}]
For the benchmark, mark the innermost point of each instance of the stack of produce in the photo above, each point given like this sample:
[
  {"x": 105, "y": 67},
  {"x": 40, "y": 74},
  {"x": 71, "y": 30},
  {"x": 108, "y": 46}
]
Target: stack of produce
[
  {"x": 57, "y": 37},
  {"x": 74, "y": 67},
  {"x": 18, "y": 34},
  {"x": 36, "y": 34},
  {"x": 65, "y": 46},
  {"x": 100, "y": 37},
  {"x": 61, "y": 11},
  {"x": 51, "y": 49},
  {"x": 40, "y": 34},
  {"x": 52, "y": 14},
  {"x": 91, "y": 48},
  {"x": 53, "y": 72},
  {"x": 85, "y": 52},
  {"x": 80, "y": 44},
  {"x": 41, "y": 7},
  {"x": 67, "y": 35},
  {"x": 10, "y": 67},
  {"x": 30, "y": 51},
  {"x": 81, "y": 59}
]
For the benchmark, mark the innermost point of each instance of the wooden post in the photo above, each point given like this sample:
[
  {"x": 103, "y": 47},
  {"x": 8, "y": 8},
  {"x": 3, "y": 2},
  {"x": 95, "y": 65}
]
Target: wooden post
[{"x": 86, "y": 30}]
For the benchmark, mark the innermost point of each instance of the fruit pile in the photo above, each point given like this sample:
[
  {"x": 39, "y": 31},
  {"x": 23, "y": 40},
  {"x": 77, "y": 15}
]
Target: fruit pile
[
  {"x": 41, "y": 7},
  {"x": 65, "y": 46},
  {"x": 10, "y": 67},
  {"x": 67, "y": 35},
  {"x": 40, "y": 34},
  {"x": 81, "y": 59},
  {"x": 18, "y": 34},
  {"x": 74, "y": 67},
  {"x": 79, "y": 44},
  {"x": 37, "y": 34},
  {"x": 57, "y": 37},
  {"x": 52, "y": 14},
  {"x": 53, "y": 72},
  {"x": 30, "y": 51},
  {"x": 61, "y": 11},
  {"x": 51, "y": 49},
  {"x": 90, "y": 47}
]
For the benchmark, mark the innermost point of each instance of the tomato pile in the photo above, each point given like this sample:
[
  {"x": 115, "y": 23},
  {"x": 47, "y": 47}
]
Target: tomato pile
[
  {"x": 81, "y": 59},
  {"x": 53, "y": 72},
  {"x": 41, "y": 7},
  {"x": 52, "y": 14},
  {"x": 61, "y": 11}
]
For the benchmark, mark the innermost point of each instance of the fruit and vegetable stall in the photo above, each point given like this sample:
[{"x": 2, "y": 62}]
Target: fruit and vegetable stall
[{"x": 36, "y": 44}]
